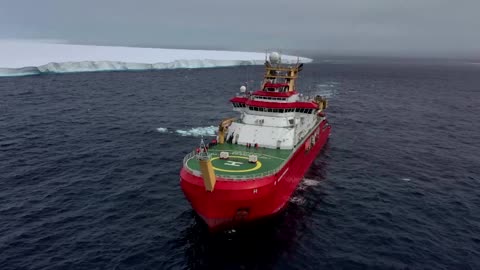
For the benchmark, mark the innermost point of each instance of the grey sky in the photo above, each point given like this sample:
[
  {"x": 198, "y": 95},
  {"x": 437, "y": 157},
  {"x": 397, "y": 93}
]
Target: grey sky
[{"x": 360, "y": 27}]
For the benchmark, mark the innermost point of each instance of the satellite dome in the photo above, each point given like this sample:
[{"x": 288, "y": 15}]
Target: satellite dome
[
  {"x": 275, "y": 58},
  {"x": 243, "y": 89}
]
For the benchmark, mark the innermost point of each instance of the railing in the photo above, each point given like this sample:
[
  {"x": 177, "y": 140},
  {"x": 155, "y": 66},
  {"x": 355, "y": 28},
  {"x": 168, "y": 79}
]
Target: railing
[
  {"x": 246, "y": 176},
  {"x": 193, "y": 154}
]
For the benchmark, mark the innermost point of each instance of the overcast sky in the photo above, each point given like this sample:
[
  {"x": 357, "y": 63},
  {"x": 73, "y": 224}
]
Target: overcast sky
[{"x": 359, "y": 27}]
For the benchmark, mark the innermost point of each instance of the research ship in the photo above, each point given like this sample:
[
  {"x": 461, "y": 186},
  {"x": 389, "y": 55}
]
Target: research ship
[{"x": 252, "y": 167}]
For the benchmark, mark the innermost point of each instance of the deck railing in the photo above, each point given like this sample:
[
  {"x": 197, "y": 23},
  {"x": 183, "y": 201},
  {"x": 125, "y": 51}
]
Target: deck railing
[
  {"x": 246, "y": 176},
  {"x": 193, "y": 154}
]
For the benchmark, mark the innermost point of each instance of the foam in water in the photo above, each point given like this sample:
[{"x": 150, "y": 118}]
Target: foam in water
[
  {"x": 298, "y": 200},
  {"x": 310, "y": 182},
  {"x": 328, "y": 89},
  {"x": 198, "y": 131},
  {"x": 162, "y": 130}
]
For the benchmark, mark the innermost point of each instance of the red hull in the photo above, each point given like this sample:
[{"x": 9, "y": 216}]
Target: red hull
[{"x": 236, "y": 201}]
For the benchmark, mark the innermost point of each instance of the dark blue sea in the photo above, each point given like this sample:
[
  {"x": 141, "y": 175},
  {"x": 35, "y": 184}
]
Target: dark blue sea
[{"x": 89, "y": 171}]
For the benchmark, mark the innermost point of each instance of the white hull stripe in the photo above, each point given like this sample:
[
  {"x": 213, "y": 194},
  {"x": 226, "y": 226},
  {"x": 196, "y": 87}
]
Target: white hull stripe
[{"x": 283, "y": 174}]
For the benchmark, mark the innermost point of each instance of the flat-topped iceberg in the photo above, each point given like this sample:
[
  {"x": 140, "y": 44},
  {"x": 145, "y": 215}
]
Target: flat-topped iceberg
[{"x": 19, "y": 58}]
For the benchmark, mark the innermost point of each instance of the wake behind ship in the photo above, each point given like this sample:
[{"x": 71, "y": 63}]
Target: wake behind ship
[{"x": 251, "y": 170}]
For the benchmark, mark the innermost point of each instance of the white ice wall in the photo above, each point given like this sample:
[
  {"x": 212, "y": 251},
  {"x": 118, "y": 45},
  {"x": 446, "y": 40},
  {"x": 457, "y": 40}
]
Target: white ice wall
[{"x": 20, "y": 57}]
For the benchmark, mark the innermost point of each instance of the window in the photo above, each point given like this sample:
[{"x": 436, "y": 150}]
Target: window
[{"x": 270, "y": 110}]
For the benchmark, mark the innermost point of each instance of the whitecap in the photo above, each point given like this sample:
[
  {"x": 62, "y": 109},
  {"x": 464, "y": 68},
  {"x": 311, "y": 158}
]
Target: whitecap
[
  {"x": 328, "y": 89},
  {"x": 310, "y": 182},
  {"x": 197, "y": 131},
  {"x": 162, "y": 130},
  {"x": 297, "y": 200}
]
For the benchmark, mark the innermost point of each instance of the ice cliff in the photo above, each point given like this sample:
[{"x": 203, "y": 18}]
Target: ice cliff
[{"x": 20, "y": 58}]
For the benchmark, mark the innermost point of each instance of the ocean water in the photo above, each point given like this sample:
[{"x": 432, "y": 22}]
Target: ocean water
[{"x": 89, "y": 169}]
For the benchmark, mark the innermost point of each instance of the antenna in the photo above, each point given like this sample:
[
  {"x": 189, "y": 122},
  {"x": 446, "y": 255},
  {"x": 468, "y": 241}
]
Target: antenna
[{"x": 246, "y": 83}]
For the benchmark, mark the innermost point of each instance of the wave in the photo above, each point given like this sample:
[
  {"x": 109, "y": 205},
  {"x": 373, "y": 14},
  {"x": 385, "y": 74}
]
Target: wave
[
  {"x": 298, "y": 200},
  {"x": 310, "y": 182},
  {"x": 198, "y": 131},
  {"x": 194, "y": 132},
  {"x": 162, "y": 130},
  {"x": 328, "y": 89}
]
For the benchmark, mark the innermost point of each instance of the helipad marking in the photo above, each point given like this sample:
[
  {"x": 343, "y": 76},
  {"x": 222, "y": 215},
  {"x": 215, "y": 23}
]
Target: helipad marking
[
  {"x": 233, "y": 163},
  {"x": 258, "y": 166}
]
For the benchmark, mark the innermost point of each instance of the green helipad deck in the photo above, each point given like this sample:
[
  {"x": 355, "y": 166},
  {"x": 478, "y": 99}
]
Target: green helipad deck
[{"x": 269, "y": 160}]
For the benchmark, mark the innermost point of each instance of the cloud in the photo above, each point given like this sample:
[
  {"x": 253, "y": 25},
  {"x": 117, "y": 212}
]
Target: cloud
[{"x": 383, "y": 27}]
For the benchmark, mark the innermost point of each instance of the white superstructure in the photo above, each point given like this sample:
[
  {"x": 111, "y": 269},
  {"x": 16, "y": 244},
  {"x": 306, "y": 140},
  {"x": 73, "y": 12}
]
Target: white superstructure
[{"x": 276, "y": 116}]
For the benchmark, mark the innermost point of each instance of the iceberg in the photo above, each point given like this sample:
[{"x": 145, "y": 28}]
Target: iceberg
[{"x": 24, "y": 57}]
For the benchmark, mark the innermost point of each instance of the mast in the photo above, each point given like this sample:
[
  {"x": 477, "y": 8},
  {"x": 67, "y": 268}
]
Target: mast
[{"x": 280, "y": 78}]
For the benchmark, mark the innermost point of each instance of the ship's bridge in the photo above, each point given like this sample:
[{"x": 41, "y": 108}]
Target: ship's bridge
[{"x": 275, "y": 116}]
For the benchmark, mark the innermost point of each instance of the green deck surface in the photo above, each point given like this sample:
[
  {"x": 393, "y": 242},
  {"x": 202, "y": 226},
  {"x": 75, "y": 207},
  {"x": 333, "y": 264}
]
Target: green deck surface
[{"x": 237, "y": 164}]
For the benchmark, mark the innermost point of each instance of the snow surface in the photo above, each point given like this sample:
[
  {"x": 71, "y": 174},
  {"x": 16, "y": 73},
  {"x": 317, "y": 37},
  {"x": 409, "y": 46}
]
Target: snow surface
[{"x": 24, "y": 57}]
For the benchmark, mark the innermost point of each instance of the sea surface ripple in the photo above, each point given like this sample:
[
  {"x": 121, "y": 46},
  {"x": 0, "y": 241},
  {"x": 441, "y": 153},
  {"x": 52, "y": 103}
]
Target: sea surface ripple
[{"x": 89, "y": 168}]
